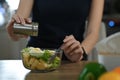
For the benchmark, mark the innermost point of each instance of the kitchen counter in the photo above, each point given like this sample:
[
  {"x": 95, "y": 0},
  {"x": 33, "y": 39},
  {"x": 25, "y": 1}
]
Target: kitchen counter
[{"x": 14, "y": 70}]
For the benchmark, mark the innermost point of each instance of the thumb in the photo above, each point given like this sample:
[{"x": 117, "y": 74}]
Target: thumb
[
  {"x": 9, "y": 29},
  {"x": 28, "y": 20},
  {"x": 9, "y": 26}
]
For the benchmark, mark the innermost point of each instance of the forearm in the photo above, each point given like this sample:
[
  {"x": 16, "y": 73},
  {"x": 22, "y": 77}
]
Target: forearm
[
  {"x": 24, "y": 8},
  {"x": 90, "y": 41},
  {"x": 93, "y": 26}
]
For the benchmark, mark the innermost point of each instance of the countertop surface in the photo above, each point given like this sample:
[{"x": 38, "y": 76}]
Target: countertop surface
[{"x": 14, "y": 70}]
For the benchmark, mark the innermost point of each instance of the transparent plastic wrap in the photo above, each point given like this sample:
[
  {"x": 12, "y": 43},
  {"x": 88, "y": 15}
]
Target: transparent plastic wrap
[{"x": 109, "y": 51}]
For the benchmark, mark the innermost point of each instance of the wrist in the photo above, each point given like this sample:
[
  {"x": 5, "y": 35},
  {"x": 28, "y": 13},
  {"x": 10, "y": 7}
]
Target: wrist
[{"x": 85, "y": 56}]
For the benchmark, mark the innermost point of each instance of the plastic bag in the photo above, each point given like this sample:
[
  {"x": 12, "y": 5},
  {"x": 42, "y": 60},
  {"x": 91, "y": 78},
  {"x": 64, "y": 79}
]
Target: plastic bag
[
  {"x": 111, "y": 44},
  {"x": 109, "y": 51}
]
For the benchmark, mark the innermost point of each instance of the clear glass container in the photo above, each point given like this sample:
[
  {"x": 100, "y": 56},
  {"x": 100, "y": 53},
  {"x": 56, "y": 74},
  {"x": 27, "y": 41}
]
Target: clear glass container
[{"x": 36, "y": 59}]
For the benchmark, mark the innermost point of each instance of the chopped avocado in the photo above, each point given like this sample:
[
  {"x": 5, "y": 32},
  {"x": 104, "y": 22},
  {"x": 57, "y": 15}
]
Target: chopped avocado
[{"x": 46, "y": 55}]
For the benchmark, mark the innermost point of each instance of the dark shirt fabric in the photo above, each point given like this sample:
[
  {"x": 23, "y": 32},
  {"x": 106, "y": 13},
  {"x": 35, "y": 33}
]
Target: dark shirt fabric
[{"x": 58, "y": 18}]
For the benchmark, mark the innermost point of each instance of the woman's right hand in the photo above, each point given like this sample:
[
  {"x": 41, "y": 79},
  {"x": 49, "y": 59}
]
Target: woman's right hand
[{"x": 16, "y": 19}]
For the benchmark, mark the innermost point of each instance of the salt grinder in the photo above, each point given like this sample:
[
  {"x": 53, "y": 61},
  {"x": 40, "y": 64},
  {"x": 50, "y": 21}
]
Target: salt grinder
[{"x": 26, "y": 29}]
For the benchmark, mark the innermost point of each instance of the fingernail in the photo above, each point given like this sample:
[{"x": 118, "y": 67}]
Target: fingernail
[{"x": 65, "y": 39}]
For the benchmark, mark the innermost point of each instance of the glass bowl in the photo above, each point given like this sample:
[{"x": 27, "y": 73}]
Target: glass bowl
[{"x": 36, "y": 59}]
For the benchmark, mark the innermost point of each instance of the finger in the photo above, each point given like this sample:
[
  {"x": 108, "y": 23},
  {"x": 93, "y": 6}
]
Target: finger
[
  {"x": 74, "y": 58},
  {"x": 16, "y": 18},
  {"x": 75, "y": 45},
  {"x": 71, "y": 58},
  {"x": 76, "y": 51},
  {"x": 67, "y": 38},
  {"x": 82, "y": 55},
  {"x": 22, "y": 21},
  {"x": 9, "y": 29},
  {"x": 76, "y": 48},
  {"x": 19, "y": 19},
  {"x": 80, "y": 58},
  {"x": 28, "y": 20},
  {"x": 68, "y": 44}
]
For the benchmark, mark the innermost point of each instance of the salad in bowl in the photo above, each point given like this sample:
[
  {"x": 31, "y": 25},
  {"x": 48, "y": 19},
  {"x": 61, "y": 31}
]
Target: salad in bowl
[{"x": 37, "y": 59}]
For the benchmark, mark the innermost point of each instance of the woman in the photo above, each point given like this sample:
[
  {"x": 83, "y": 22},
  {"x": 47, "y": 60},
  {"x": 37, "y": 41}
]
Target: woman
[{"x": 62, "y": 24}]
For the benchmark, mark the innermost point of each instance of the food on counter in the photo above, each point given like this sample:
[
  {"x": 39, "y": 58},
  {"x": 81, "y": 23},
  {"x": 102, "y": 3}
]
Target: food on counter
[
  {"x": 117, "y": 69},
  {"x": 92, "y": 71},
  {"x": 38, "y": 59},
  {"x": 114, "y": 74},
  {"x": 111, "y": 75}
]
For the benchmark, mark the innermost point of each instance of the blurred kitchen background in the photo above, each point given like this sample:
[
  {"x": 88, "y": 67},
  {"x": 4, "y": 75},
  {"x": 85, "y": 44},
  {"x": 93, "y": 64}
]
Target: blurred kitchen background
[
  {"x": 8, "y": 48},
  {"x": 11, "y": 50}
]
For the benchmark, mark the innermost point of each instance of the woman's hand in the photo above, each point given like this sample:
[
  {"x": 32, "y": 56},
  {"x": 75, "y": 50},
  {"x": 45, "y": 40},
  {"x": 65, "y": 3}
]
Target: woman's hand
[
  {"x": 16, "y": 19},
  {"x": 72, "y": 49}
]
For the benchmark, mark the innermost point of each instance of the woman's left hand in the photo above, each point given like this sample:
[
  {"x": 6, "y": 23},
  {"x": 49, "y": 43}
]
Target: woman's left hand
[{"x": 72, "y": 49}]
